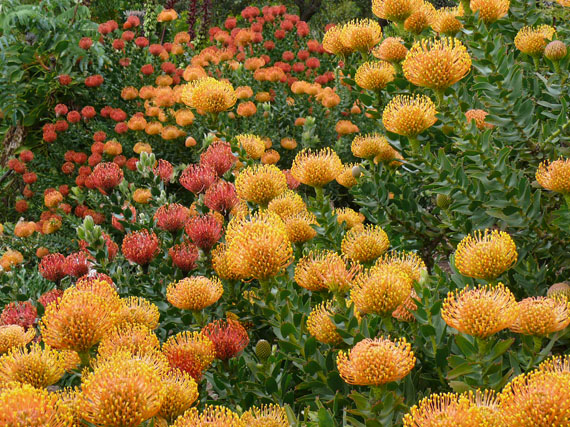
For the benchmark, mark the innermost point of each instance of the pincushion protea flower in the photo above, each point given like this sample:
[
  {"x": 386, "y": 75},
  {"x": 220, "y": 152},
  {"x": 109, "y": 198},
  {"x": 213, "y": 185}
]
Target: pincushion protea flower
[
  {"x": 286, "y": 204},
  {"x": 420, "y": 19},
  {"x": 316, "y": 168},
  {"x": 35, "y": 366},
  {"x": 229, "y": 337},
  {"x": 485, "y": 255},
  {"x": 374, "y": 75},
  {"x": 181, "y": 391},
  {"x": 184, "y": 256},
  {"x": 349, "y": 217},
  {"x": 13, "y": 336},
  {"x": 395, "y": 10},
  {"x": 409, "y": 116},
  {"x": 436, "y": 63},
  {"x": 404, "y": 312},
  {"x": 221, "y": 197},
  {"x": 21, "y": 313},
  {"x": 490, "y": 10},
  {"x": 253, "y": 145},
  {"x": 409, "y": 262},
  {"x": 361, "y": 35},
  {"x": 24, "y": 405},
  {"x": 320, "y": 325},
  {"x": 137, "y": 339},
  {"x": 322, "y": 270},
  {"x": 332, "y": 42},
  {"x": 137, "y": 310},
  {"x": 51, "y": 267},
  {"x": 219, "y": 157},
  {"x": 371, "y": 146},
  {"x": 209, "y": 95},
  {"x": 480, "y": 312},
  {"x": 194, "y": 293},
  {"x": 299, "y": 227},
  {"x": 540, "y": 316},
  {"x": 532, "y": 40},
  {"x": 210, "y": 416},
  {"x": 439, "y": 409},
  {"x": 375, "y": 362},
  {"x": 191, "y": 352},
  {"x": 140, "y": 247},
  {"x": 364, "y": 244},
  {"x": 171, "y": 217},
  {"x": 479, "y": 117},
  {"x": 392, "y": 49},
  {"x": 107, "y": 176},
  {"x": 204, "y": 230},
  {"x": 266, "y": 416},
  {"x": 221, "y": 264},
  {"x": 555, "y": 176},
  {"x": 197, "y": 178},
  {"x": 260, "y": 184},
  {"x": 445, "y": 20}
]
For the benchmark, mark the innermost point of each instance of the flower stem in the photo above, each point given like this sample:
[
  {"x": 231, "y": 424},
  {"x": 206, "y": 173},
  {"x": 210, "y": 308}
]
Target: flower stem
[
  {"x": 536, "y": 63},
  {"x": 414, "y": 144},
  {"x": 567, "y": 198},
  {"x": 85, "y": 358}
]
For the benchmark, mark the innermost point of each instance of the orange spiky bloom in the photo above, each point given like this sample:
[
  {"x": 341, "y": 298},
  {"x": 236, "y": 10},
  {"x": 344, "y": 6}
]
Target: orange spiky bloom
[
  {"x": 445, "y": 409},
  {"x": 321, "y": 270},
  {"x": 409, "y": 262},
  {"x": 252, "y": 144},
  {"x": 138, "y": 310},
  {"x": 258, "y": 247},
  {"x": 26, "y": 406},
  {"x": 479, "y": 117},
  {"x": 391, "y": 49},
  {"x": 436, "y": 63},
  {"x": 180, "y": 392},
  {"x": 286, "y": 204},
  {"x": 221, "y": 264},
  {"x": 332, "y": 42},
  {"x": 35, "y": 366},
  {"x": 445, "y": 20},
  {"x": 404, "y": 312},
  {"x": 556, "y": 363},
  {"x": 485, "y": 255},
  {"x": 229, "y": 337},
  {"x": 380, "y": 290},
  {"x": 101, "y": 287},
  {"x": 260, "y": 183},
  {"x": 346, "y": 177},
  {"x": 533, "y": 40},
  {"x": 409, "y": 116},
  {"x": 121, "y": 391},
  {"x": 364, "y": 244},
  {"x": 299, "y": 227},
  {"x": 266, "y": 416},
  {"x": 68, "y": 410},
  {"x": 361, "y": 34},
  {"x": 490, "y": 10},
  {"x": 555, "y": 50},
  {"x": 420, "y": 19},
  {"x": 371, "y": 146},
  {"x": 565, "y": 3},
  {"x": 395, "y": 10},
  {"x": 559, "y": 290},
  {"x": 480, "y": 312},
  {"x": 14, "y": 336},
  {"x": 194, "y": 293},
  {"x": 555, "y": 176},
  {"x": 483, "y": 408},
  {"x": 540, "y": 316},
  {"x": 209, "y": 95},
  {"x": 375, "y": 75},
  {"x": 135, "y": 338},
  {"x": 320, "y": 325},
  {"x": 376, "y": 362},
  {"x": 349, "y": 217},
  {"x": 316, "y": 169},
  {"x": 191, "y": 352},
  {"x": 215, "y": 416}
]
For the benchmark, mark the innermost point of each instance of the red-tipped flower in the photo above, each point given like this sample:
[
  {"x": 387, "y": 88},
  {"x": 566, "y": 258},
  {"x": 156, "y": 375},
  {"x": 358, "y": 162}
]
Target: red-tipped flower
[
  {"x": 140, "y": 247},
  {"x": 219, "y": 157},
  {"x": 197, "y": 178},
  {"x": 171, "y": 217},
  {"x": 184, "y": 256},
  {"x": 164, "y": 169},
  {"x": 51, "y": 267},
  {"x": 204, "y": 231},
  {"x": 221, "y": 197},
  {"x": 76, "y": 265},
  {"x": 23, "y": 314},
  {"x": 229, "y": 337},
  {"x": 107, "y": 175}
]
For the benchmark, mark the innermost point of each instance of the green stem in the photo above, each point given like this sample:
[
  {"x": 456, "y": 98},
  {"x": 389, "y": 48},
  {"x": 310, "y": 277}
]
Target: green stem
[
  {"x": 200, "y": 318},
  {"x": 85, "y": 358},
  {"x": 414, "y": 144},
  {"x": 536, "y": 63},
  {"x": 567, "y": 198},
  {"x": 319, "y": 195},
  {"x": 440, "y": 99},
  {"x": 340, "y": 299},
  {"x": 265, "y": 288},
  {"x": 466, "y": 7},
  {"x": 387, "y": 323}
]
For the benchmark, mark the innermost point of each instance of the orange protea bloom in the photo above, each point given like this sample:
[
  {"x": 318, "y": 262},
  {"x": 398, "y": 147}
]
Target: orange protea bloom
[
  {"x": 332, "y": 42},
  {"x": 101, "y": 287},
  {"x": 349, "y": 216},
  {"x": 371, "y": 146},
  {"x": 244, "y": 92},
  {"x": 252, "y": 144},
  {"x": 14, "y": 336},
  {"x": 395, "y": 10},
  {"x": 194, "y": 73},
  {"x": 376, "y": 362},
  {"x": 135, "y": 338},
  {"x": 10, "y": 259},
  {"x": 270, "y": 157},
  {"x": 485, "y": 255},
  {"x": 345, "y": 127},
  {"x": 210, "y": 416},
  {"x": 286, "y": 204},
  {"x": 181, "y": 391},
  {"x": 559, "y": 290},
  {"x": 436, "y": 63},
  {"x": 288, "y": 143},
  {"x": 221, "y": 264},
  {"x": 541, "y": 316},
  {"x": 364, "y": 244},
  {"x": 266, "y": 416},
  {"x": 479, "y": 117},
  {"x": 409, "y": 116},
  {"x": 480, "y": 312},
  {"x": 420, "y": 19},
  {"x": 209, "y": 95},
  {"x": 191, "y": 352},
  {"x": 565, "y": 3},
  {"x": 258, "y": 246},
  {"x": 167, "y": 15},
  {"x": 24, "y": 405},
  {"x": 137, "y": 310},
  {"x": 404, "y": 312},
  {"x": 346, "y": 177},
  {"x": 445, "y": 409},
  {"x": 194, "y": 293},
  {"x": 391, "y": 49},
  {"x": 321, "y": 270},
  {"x": 532, "y": 40},
  {"x": 260, "y": 183},
  {"x": 229, "y": 337},
  {"x": 409, "y": 262},
  {"x": 490, "y": 10},
  {"x": 375, "y": 75},
  {"x": 320, "y": 325},
  {"x": 361, "y": 35},
  {"x": 35, "y": 366},
  {"x": 555, "y": 176},
  {"x": 316, "y": 168},
  {"x": 445, "y": 20},
  {"x": 298, "y": 227},
  {"x": 246, "y": 109}
]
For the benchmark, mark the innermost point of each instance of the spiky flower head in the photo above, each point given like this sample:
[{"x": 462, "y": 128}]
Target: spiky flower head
[
  {"x": 559, "y": 290},
  {"x": 209, "y": 95},
  {"x": 320, "y": 325},
  {"x": 375, "y": 75},
  {"x": 194, "y": 293},
  {"x": 138, "y": 310},
  {"x": 361, "y": 34},
  {"x": 24, "y": 405},
  {"x": 191, "y": 352},
  {"x": 490, "y": 10},
  {"x": 445, "y": 409},
  {"x": 392, "y": 49},
  {"x": 371, "y": 146},
  {"x": 266, "y": 416},
  {"x": 555, "y": 50},
  {"x": 221, "y": 197},
  {"x": 260, "y": 183},
  {"x": 540, "y": 316},
  {"x": 253, "y": 145},
  {"x": 221, "y": 264},
  {"x": 35, "y": 366},
  {"x": 395, "y": 10},
  {"x": 14, "y": 336},
  {"x": 346, "y": 177},
  {"x": 555, "y": 176},
  {"x": 316, "y": 168},
  {"x": 445, "y": 20},
  {"x": 480, "y": 312},
  {"x": 479, "y": 117},
  {"x": 324, "y": 270},
  {"x": 198, "y": 178},
  {"x": 364, "y": 244},
  {"x": 299, "y": 227},
  {"x": 564, "y": 3},
  {"x": 21, "y": 313},
  {"x": 184, "y": 255},
  {"x": 229, "y": 337},
  {"x": 137, "y": 339},
  {"x": 409, "y": 262},
  {"x": 215, "y": 416},
  {"x": 420, "y": 19},
  {"x": 286, "y": 204},
  {"x": 533, "y": 40},
  {"x": 204, "y": 230},
  {"x": 171, "y": 217},
  {"x": 376, "y": 361},
  {"x": 405, "y": 311},
  {"x": 140, "y": 247},
  {"x": 409, "y": 115},
  {"x": 332, "y": 42},
  {"x": 180, "y": 392},
  {"x": 485, "y": 255},
  {"x": 219, "y": 157},
  {"x": 436, "y": 63}
]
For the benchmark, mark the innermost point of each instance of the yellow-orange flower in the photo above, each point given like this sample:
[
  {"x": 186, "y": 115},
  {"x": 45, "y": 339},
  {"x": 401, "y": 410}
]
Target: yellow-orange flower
[
  {"x": 541, "y": 316},
  {"x": 266, "y": 416},
  {"x": 260, "y": 183},
  {"x": 445, "y": 20},
  {"x": 321, "y": 270},
  {"x": 298, "y": 227},
  {"x": 409, "y": 116},
  {"x": 209, "y": 95},
  {"x": 194, "y": 293},
  {"x": 364, "y": 244},
  {"x": 210, "y": 416},
  {"x": 391, "y": 49},
  {"x": 445, "y": 409},
  {"x": 26, "y": 406},
  {"x": 137, "y": 310},
  {"x": 332, "y": 42},
  {"x": 436, "y": 63},
  {"x": 11, "y": 258},
  {"x": 420, "y": 19},
  {"x": 490, "y": 10},
  {"x": 192, "y": 73},
  {"x": 320, "y": 325},
  {"x": 316, "y": 168},
  {"x": 404, "y": 312},
  {"x": 349, "y": 216},
  {"x": 221, "y": 264},
  {"x": 14, "y": 336},
  {"x": 376, "y": 362},
  {"x": 286, "y": 204},
  {"x": 361, "y": 34},
  {"x": 252, "y": 144},
  {"x": 395, "y": 10},
  {"x": 375, "y": 75},
  {"x": 533, "y": 40},
  {"x": 485, "y": 255},
  {"x": 180, "y": 391},
  {"x": 480, "y": 312},
  {"x": 479, "y": 117},
  {"x": 135, "y": 338},
  {"x": 190, "y": 352},
  {"x": 371, "y": 146},
  {"x": 35, "y": 366},
  {"x": 555, "y": 176},
  {"x": 346, "y": 177},
  {"x": 167, "y": 15},
  {"x": 409, "y": 262}
]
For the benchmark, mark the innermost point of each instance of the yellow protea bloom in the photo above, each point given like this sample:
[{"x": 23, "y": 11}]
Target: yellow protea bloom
[
  {"x": 211, "y": 416},
  {"x": 194, "y": 293},
  {"x": 392, "y": 49},
  {"x": 100, "y": 288},
  {"x": 436, "y": 63},
  {"x": 376, "y": 362},
  {"x": 191, "y": 352},
  {"x": 445, "y": 20},
  {"x": 349, "y": 217},
  {"x": 221, "y": 263},
  {"x": 559, "y": 290},
  {"x": 485, "y": 255},
  {"x": 258, "y": 247},
  {"x": 26, "y": 406},
  {"x": 320, "y": 325},
  {"x": 346, "y": 177},
  {"x": 375, "y": 75},
  {"x": 266, "y": 416},
  {"x": 540, "y": 316},
  {"x": 316, "y": 169},
  {"x": 361, "y": 34},
  {"x": 135, "y": 338},
  {"x": 364, "y": 244},
  {"x": 14, "y": 336},
  {"x": 138, "y": 310},
  {"x": 395, "y": 10},
  {"x": 68, "y": 410},
  {"x": 490, "y": 10},
  {"x": 484, "y": 408},
  {"x": 565, "y": 3},
  {"x": 371, "y": 146},
  {"x": 322, "y": 270},
  {"x": 252, "y": 144},
  {"x": 409, "y": 116},
  {"x": 420, "y": 19},
  {"x": 557, "y": 363},
  {"x": 555, "y": 176},
  {"x": 409, "y": 262},
  {"x": 480, "y": 312},
  {"x": 445, "y": 409},
  {"x": 35, "y": 366},
  {"x": 332, "y": 42},
  {"x": 121, "y": 391},
  {"x": 533, "y": 40},
  {"x": 180, "y": 392},
  {"x": 209, "y": 95},
  {"x": 299, "y": 227},
  {"x": 260, "y": 183},
  {"x": 286, "y": 204}
]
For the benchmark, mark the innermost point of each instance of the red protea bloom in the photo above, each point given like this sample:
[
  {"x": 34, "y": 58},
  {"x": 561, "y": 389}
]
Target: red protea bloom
[
  {"x": 51, "y": 267},
  {"x": 23, "y": 314},
  {"x": 171, "y": 217},
  {"x": 50, "y": 297},
  {"x": 76, "y": 264},
  {"x": 219, "y": 157},
  {"x": 140, "y": 247},
  {"x": 221, "y": 197},
  {"x": 292, "y": 182},
  {"x": 107, "y": 175},
  {"x": 26, "y": 156},
  {"x": 204, "y": 230},
  {"x": 197, "y": 178},
  {"x": 64, "y": 79},
  {"x": 229, "y": 337},
  {"x": 164, "y": 169},
  {"x": 184, "y": 256}
]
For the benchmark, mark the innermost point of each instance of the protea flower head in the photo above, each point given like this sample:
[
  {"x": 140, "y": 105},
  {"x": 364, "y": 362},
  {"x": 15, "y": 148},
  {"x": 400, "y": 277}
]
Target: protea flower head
[
  {"x": 533, "y": 40},
  {"x": 490, "y": 10},
  {"x": 286, "y": 204},
  {"x": 324, "y": 270},
  {"x": 209, "y": 95},
  {"x": 14, "y": 336},
  {"x": 479, "y": 117},
  {"x": 395, "y": 10},
  {"x": 25, "y": 405},
  {"x": 52, "y": 267},
  {"x": 197, "y": 178},
  {"x": 409, "y": 116},
  {"x": 332, "y": 42},
  {"x": 349, "y": 217},
  {"x": 221, "y": 197},
  {"x": 375, "y": 75},
  {"x": 364, "y": 244},
  {"x": 190, "y": 352},
  {"x": 204, "y": 230},
  {"x": 107, "y": 175},
  {"x": 21, "y": 313},
  {"x": 299, "y": 227},
  {"x": 405, "y": 311},
  {"x": 392, "y": 49},
  {"x": 445, "y": 20},
  {"x": 409, "y": 262},
  {"x": 445, "y": 409},
  {"x": 184, "y": 256},
  {"x": 320, "y": 325},
  {"x": 266, "y": 416},
  {"x": 372, "y": 146},
  {"x": 361, "y": 35},
  {"x": 229, "y": 337},
  {"x": 219, "y": 157},
  {"x": 540, "y": 316},
  {"x": 194, "y": 293},
  {"x": 260, "y": 184},
  {"x": 421, "y": 18},
  {"x": 181, "y": 391},
  {"x": 555, "y": 176},
  {"x": 137, "y": 339},
  {"x": 253, "y": 145},
  {"x": 39, "y": 367},
  {"x": 140, "y": 247},
  {"x": 316, "y": 169},
  {"x": 137, "y": 310},
  {"x": 210, "y": 416},
  {"x": 221, "y": 264},
  {"x": 171, "y": 217}
]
